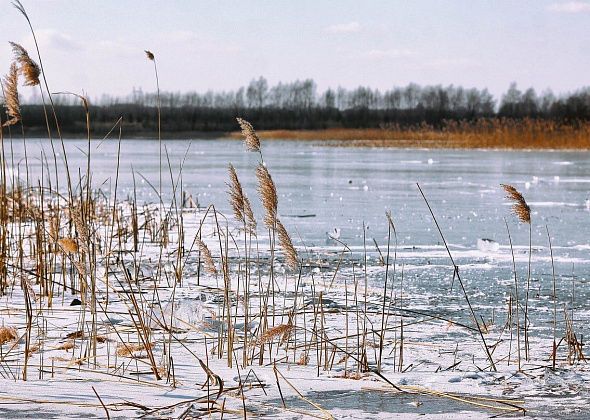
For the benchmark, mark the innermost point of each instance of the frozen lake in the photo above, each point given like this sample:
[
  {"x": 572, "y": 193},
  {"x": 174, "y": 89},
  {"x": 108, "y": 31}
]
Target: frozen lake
[{"x": 345, "y": 187}]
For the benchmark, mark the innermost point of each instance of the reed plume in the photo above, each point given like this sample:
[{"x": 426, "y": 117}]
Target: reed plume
[
  {"x": 239, "y": 202},
  {"x": 268, "y": 195},
  {"x": 150, "y": 55},
  {"x": 251, "y": 139},
  {"x": 520, "y": 207},
  {"x": 207, "y": 257},
  {"x": 28, "y": 68},
  {"x": 12, "y": 102},
  {"x": 249, "y": 215},
  {"x": 286, "y": 245}
]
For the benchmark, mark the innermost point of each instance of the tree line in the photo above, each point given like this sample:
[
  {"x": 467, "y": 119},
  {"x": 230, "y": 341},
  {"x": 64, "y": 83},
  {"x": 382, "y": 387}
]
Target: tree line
[{"x": 299, "y": 105}]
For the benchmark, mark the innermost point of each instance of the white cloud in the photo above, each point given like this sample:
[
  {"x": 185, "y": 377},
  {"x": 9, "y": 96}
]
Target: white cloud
[
  {"x": 377, "y": 54},
  {"x": 570, "y": 7},
  {"x": 58, "y": 40},
  {"x": 344, "y": 28}
]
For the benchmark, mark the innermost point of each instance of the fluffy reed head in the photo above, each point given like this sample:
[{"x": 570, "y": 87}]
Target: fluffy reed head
[
  {"x": 251, "y": 139},
  {"x": 207, "y": 257},
  {"x": 520, "y": 207},
  {"x": 150, "y": 55},
  {"x": 239, "y": 202},
  {"x": 286, "y": 245},
  {"x": 11, "y": 96},
  {"x": 251, "y": 221},
  {"x": 268, "y": 195},
  {"x": 236, "y": 194},
  {"x": 28, "y": 68}
]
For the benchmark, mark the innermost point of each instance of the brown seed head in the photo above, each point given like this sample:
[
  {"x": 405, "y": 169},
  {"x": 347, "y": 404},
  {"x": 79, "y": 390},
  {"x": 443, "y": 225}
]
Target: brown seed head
[
  {"x": 207, "y": 257},
  {"x": 287, "y": 246},
  {"x": 11, "y": 96},
  {"x": 150, "y": 55},
  {"x": 251, "y": 139},
  {"x": 251, "y": 221},
  {"x": 28, "y": 68},
  {"x": 520, "y": 207},
  {"x": 236, "y": 195},
  {"x": 239, "y": 202},
  {"x": 268, "y": 195}
]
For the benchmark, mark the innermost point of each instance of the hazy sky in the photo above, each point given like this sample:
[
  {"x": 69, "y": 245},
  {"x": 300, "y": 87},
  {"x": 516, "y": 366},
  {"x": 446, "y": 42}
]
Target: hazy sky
[{"x": 97, "y": 46}]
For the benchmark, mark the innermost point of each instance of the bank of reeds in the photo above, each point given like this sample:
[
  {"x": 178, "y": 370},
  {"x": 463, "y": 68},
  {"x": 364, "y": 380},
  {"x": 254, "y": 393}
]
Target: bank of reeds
[{"x": 486, "y": 133}]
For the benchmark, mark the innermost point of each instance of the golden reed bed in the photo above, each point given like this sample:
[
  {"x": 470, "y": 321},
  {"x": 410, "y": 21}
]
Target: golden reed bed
[{"x": 494, "y": 133}]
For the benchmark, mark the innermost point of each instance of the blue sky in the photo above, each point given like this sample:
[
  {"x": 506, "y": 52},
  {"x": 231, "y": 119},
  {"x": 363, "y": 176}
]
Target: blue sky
[{"x": 97, "y": 46}]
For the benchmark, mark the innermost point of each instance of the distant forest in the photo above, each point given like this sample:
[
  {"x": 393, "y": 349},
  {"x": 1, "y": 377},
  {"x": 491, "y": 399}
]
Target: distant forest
[{"x": 298, "y": 105}]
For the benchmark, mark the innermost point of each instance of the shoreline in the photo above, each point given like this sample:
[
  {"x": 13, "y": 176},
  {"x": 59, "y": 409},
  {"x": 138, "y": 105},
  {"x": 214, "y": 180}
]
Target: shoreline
[{"x": 380, "y": 138}]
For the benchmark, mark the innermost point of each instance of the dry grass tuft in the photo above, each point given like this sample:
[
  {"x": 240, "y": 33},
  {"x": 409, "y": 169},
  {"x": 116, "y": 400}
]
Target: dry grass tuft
[
  {"x": 75, "y": 334},
  {"x": 127, "y": 349},
  {"x": 28, "y": 68},
  {"x": 520, "y": 207},
  {"x": 251, "y": 139},
  {"x": 282, "y": 330},
  {"x": 11, "y": 96},
  {"x": 68, "y": 345},
  {"x": 207, "y": 257},
  {"x": 303, "y": 359},
  {"x": 7, "y": 334},
  {"x": 291, "y": 258},
  {"x": 268, "y": 195},
  {"x": 69, "y": 245}
]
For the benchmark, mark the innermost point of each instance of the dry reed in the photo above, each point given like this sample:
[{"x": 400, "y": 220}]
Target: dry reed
[
  {"x": 7, "y": 334},
  {"x": 268, "y": 195},
  {"x": 283, "y": 331},
  {"x": 207, "y": 257},
  {"x": 291, "y": 258},
  {"x": 240, "y": 204},
  {"x": 251, "y": 139},
  {"x": 486, "y": 133},
  {"x": 69, "y": 245},
  {"x": 520, "y": 207},
  {"x": 12, "y": 102},
  {"x": 127, "y": 349},
  {"x": 28, "y": 68}
]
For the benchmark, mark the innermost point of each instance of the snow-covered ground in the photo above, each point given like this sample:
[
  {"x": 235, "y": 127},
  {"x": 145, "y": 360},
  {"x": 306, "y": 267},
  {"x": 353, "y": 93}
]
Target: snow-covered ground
[{"x": 313, "y": 338}]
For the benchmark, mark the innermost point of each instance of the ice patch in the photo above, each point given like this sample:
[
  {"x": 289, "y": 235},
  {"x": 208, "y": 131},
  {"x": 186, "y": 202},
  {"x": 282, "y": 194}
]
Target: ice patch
[{"x": 487, "y": 245}]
